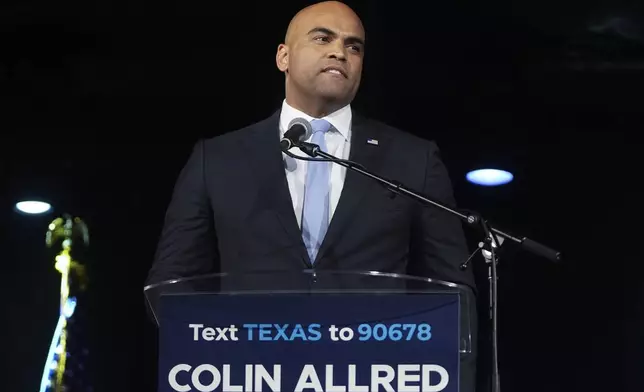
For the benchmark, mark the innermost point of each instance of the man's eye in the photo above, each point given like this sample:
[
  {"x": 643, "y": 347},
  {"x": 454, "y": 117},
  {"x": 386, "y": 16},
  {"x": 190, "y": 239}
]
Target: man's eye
[
  {"x": 356, "y": 48},
  {"x": 323, "y": 39}
]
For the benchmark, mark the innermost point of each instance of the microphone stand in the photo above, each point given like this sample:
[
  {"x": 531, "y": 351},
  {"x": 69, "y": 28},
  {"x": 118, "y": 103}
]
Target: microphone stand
[{"x": 489, "y": 245}]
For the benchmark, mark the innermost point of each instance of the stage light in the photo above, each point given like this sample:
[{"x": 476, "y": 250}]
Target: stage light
[
  {"x": 489, "y": 177},
  {"x": 33, "y": 207}
]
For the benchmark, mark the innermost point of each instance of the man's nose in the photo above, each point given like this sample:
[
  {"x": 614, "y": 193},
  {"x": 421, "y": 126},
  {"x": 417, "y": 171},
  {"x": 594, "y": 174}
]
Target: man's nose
[{"x": 338, "y": 51}]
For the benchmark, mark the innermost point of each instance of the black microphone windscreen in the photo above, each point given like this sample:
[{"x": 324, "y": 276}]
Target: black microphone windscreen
[{"x": 299, "y": 130}]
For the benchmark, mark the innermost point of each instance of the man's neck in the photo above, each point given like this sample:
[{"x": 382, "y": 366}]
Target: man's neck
[{"x": 315, "y": 109}]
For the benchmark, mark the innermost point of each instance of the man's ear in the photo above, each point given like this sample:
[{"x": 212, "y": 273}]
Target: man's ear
[{"x": 281, "y": 58}]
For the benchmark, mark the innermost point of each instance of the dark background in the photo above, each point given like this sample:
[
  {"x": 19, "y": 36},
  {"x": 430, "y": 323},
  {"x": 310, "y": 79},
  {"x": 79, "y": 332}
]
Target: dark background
[{"x": 102, "y": 101}]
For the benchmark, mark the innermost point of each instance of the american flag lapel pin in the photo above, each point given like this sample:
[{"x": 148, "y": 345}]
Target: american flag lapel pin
[{"x": 372, "y": 141}]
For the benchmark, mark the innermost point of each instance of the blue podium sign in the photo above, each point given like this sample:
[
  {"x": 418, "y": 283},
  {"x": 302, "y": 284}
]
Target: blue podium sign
[{"x": 309, "y": 343}]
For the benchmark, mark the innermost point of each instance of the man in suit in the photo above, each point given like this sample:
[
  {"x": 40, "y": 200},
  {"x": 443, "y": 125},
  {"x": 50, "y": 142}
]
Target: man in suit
[{"x": 241, "y": 204}]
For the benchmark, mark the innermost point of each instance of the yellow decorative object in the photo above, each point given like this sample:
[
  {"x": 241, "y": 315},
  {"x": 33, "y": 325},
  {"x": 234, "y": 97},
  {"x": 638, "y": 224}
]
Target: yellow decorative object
[{"x": 66, "y": 229}]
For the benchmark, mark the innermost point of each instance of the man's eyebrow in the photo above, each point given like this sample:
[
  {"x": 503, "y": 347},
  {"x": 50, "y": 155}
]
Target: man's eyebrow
[{"x": 324, "y": 30}]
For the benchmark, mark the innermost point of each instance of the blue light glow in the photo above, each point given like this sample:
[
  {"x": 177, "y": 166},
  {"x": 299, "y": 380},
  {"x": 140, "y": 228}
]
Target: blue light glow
[{"x": 489, "y": 177}]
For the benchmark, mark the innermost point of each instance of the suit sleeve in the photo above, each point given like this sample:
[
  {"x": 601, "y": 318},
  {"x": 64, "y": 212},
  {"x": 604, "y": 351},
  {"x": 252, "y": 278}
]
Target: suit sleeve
[
  {"x": 438, "y": 241},
  {"x": 187, "y": 245}
]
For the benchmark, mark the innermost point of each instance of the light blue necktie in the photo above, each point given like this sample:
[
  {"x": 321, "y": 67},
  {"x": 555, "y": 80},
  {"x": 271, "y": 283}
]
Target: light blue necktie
[{"x": 315, "y": 217}]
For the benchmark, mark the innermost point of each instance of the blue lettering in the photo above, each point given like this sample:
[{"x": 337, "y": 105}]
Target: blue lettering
[
  {"x": 281, "y": 332},
  {"x": 314, "y": 332},
  {"x": 265, "y": 332},
  {"x": 250, "y": 328},
  {"x": 394, "y": 332},
  {"x": 298, "y": 332},
  {"x": 273, "y": 332}
]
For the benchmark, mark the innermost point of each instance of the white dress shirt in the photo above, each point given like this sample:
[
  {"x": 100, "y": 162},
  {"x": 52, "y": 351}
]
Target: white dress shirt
[{"x": 338, "y": 142}]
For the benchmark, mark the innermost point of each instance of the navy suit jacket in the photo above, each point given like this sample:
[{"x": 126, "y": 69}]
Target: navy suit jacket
[{"x": 231, "y": 210}]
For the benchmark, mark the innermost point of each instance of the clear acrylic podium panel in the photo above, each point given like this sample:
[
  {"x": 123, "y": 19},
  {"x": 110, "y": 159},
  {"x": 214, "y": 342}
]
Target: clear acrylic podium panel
[{"x": 317, "y": 282}]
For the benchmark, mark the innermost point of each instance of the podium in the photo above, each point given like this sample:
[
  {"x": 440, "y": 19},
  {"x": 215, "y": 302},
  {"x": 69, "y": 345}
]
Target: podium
[{"x": 312, "y": 331}]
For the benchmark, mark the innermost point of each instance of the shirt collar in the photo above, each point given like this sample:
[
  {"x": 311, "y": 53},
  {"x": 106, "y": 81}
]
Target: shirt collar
[{"x": 340, "y": 119}]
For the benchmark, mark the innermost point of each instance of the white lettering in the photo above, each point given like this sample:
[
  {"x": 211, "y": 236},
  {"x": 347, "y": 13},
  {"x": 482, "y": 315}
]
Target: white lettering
[
  {"x": 346, "y": 333},
  {"x": 261, "y": 375},
  {"x": 329, "y": 381},
  {"x": 195, "y": 327},
  {"x": 384, "y": 381},
  {"x": 208, "y": 334},
  {"x": 249, "y": 378},
  {"x": 233, "y": 333},
  {"x": 427, "y": 386},
  {"x": 308, "y": 373},
  {"x": 216, "y": 378},
  {"x": 333, "y": 331},
  {"x": 217, "y": 333},
  {"x": 172, "y": 377},
  {"x": 227, "y": 387},
  {"x": 353, "y": 386},
  {"x": 404, "y": 378}
]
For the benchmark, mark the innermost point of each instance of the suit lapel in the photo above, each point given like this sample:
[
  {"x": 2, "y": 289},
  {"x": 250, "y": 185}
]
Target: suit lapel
[
  {"x": 268, "y": 167},
  {"x": 366, "y": 146}
]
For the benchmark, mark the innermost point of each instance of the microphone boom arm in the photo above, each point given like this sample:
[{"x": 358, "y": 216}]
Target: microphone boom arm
[
  {"x": 491, "y": 239},
  {"x": 469, "y": 217},
  {"x": 472, "y": 219}
]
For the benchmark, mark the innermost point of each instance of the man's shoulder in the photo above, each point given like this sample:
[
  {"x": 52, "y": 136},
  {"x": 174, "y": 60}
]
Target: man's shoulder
[{"x": 235, "y": 136}]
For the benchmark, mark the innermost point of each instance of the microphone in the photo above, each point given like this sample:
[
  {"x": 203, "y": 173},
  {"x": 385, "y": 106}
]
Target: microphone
[{"x": 299, "y": 130}]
